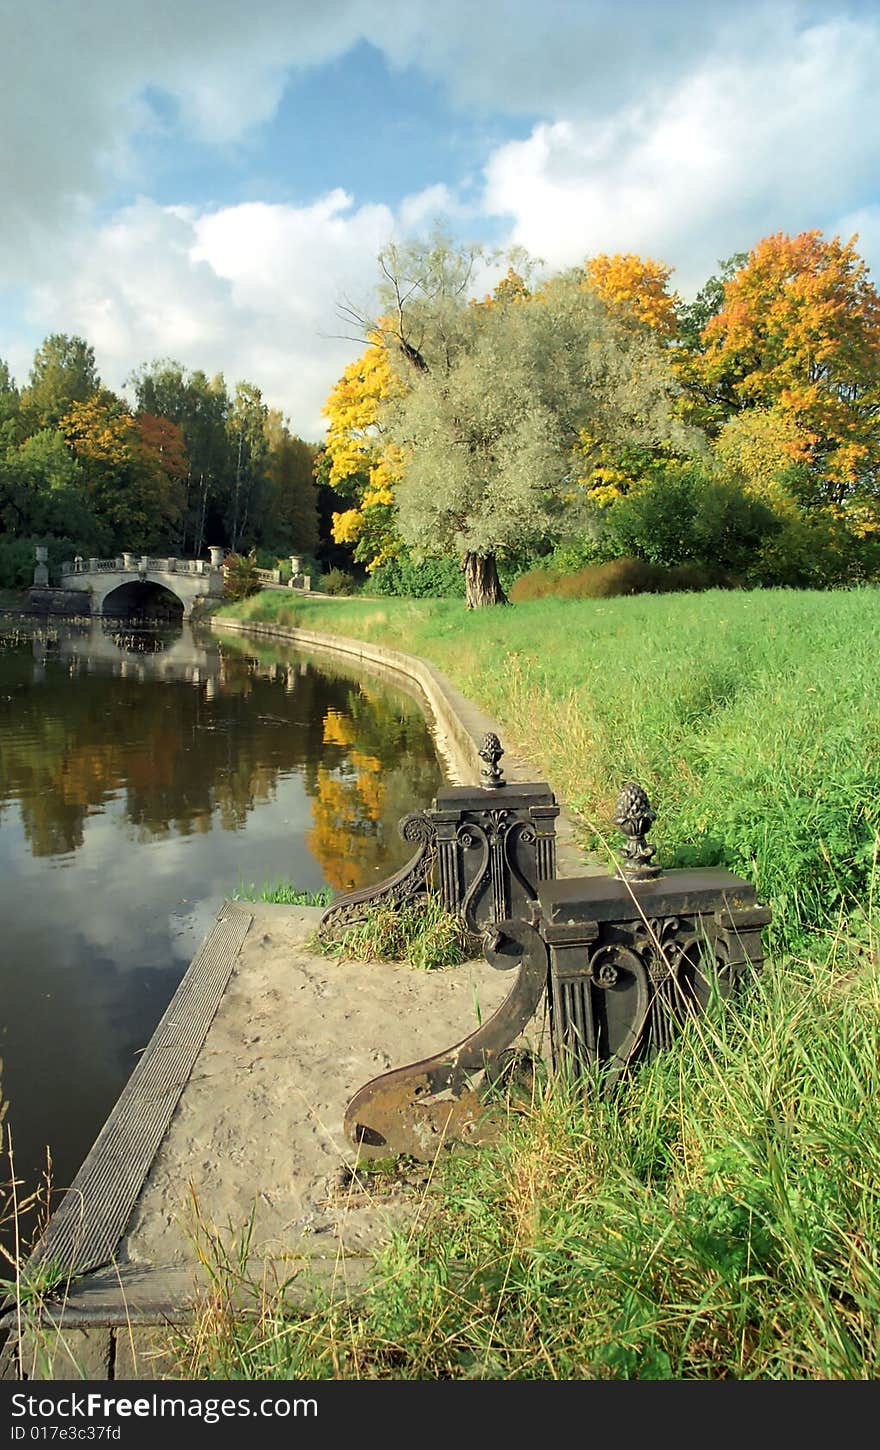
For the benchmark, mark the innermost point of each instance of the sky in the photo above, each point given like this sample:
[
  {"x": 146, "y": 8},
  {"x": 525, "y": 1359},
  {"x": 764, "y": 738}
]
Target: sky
[{"x": 210, "y": 181}]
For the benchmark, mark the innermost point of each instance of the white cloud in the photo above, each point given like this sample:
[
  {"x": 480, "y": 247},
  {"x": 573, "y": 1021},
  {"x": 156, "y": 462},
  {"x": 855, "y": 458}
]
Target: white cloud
[
  {"x": 685, "y": 131},
  {"x": 731, "y": 155},
  {"x": 250, "y": 290}
]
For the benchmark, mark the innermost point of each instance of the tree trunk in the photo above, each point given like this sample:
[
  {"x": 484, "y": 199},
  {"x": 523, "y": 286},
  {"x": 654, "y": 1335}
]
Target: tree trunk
[{"x": 482, "y": 585}]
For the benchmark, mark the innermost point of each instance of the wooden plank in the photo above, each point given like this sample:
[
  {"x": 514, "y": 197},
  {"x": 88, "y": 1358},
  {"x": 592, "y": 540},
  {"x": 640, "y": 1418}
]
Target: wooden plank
[{"x": 88, "y": 1224}]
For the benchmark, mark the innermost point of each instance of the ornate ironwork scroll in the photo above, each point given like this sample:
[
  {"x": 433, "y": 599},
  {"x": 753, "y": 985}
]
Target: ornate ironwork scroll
[
  {"x": 628, "y": 967},
  {"x": 405, "y": 885},
  {"x": 489, "y": 847},
  {"x": 437, "y": 1102}
]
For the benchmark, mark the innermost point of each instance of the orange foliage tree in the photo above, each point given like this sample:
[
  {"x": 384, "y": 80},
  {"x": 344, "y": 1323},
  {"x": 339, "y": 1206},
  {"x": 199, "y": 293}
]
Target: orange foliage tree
[{"x": 799, "y": 333}]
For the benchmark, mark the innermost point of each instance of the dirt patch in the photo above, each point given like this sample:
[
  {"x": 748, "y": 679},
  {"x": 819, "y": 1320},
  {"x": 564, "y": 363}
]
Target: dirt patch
[{"x": 257, "y": 1135}]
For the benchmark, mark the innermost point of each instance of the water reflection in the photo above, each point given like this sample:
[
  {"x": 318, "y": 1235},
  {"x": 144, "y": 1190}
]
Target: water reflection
[
  {"x": 179, "y": 762},
  {"x": 144, "y": 775}
]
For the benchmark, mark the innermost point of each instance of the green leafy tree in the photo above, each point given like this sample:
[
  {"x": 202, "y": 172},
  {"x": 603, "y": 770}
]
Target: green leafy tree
[
  {"x": 496, "y": 402},
  {"x": 10, "y": 402},
  {"x": 63, "y": 373},
  {"x": 290, "y": 520},
  {"x": 42, "y": 490},
  {"x": 200, "y": 407},
  {"x": 246, "y": 427}
]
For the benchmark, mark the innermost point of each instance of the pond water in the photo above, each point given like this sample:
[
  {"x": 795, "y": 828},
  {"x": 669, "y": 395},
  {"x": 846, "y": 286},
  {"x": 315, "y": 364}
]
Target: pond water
[{"x": 144, "y": 776}]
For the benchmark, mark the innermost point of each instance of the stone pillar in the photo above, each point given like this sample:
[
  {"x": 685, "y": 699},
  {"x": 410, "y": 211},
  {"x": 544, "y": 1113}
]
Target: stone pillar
[
  {"x": 41, "y": 571},
  {"x": 93, "y": 566},
  {"x": 216, "y": 557},
  {"x": 296, "y": 565}
]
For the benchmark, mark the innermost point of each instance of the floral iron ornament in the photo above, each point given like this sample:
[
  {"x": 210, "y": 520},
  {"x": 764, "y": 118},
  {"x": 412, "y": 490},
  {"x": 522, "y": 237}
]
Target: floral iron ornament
[{"x": 634, "y": 817}]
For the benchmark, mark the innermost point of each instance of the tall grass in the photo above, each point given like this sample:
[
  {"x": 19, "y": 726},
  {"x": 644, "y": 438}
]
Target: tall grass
[
  {"x": 752, "y": 720},
  {"x": 719, "y": 1217}
]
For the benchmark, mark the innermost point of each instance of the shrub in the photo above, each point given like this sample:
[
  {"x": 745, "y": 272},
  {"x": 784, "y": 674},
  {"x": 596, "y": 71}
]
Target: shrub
[
  {"x": 338, "y": 581},
  {"x": 241, "y": 576},
  {"x": 688, "y": 514},
  {"x": 815, "y": 550},
  {"x": 432, "y": 578},
  {"x": 17, "y": 558},
  {"x": 605, "y": 581}
]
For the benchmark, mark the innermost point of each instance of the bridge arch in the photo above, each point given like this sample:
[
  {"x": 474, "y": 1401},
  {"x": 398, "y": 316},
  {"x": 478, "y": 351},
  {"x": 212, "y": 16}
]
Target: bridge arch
[{"x": 143, "y": 596}]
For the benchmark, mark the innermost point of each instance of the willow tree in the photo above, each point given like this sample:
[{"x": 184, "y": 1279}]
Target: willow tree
[{"x": 495, "y": 402}]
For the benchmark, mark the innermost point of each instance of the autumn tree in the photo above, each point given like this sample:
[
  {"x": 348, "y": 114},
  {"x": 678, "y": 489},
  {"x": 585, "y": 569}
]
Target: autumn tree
[
  {"x": 131, "y": 489},
  {"x": 363, "y": 467},
  {"x": 200, "y": 407},
  {"x": 636, "y": 288},
  {"x": 695, "y": 316},
  {"x": 799, "y": 333},
  {"x": 637, "y": 293}
]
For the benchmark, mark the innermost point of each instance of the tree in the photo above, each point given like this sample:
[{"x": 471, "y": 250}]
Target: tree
[
  {"x": 129, "y": 486},
  {"x": 200, "y": 407},
  {"x": 694, "y": 317},
  {"x": 495, "y": 407},
  {"x": 362, "y": 466},
  {"x": 42, "y": 490},
  {"x": 290, "y": 522},
  {"x": 422, "y": 294},
  {"x": 799, "y": 333},
  {"x": 636, "y": 288},
  {"x": 246, "y": 426},
  {"x": 63, "y": 373},
  {"x": 10, "y": 401}
]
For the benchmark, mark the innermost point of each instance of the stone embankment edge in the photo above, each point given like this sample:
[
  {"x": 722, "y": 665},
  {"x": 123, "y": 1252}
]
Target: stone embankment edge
[{"x": 460, "y": 725}]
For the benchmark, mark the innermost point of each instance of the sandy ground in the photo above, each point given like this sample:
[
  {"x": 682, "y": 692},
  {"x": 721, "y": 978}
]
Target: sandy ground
[{"x": 259, "y": 1125}]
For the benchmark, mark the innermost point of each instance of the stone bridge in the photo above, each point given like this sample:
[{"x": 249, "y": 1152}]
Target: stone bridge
[{"x": 129, "y": 582}]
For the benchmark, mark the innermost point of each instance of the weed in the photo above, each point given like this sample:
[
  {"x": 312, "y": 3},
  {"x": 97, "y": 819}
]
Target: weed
[
  {"x": 421, "y": 933},
  {"x": 284, "y": 893}
]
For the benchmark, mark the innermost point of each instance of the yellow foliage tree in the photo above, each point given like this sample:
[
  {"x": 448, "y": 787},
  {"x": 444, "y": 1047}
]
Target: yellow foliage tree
[
  {"x": 763, "y": 446},
  {"x": 362, "y": 465},
  {"x": 637, "y": 287}
]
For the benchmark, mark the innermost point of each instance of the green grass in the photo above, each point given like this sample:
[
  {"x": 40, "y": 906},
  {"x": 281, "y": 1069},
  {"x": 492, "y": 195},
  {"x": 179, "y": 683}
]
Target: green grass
[
  {"x": 283, "y": 893},
  {"x": 752, "y": 720},
  {"x": 420, "y": 933},
  {"x": 718, "y": 1218}
]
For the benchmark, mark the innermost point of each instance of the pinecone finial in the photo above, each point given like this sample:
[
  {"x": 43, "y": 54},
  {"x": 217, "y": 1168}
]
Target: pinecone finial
[
  {"x": 491, "y": 752},
  {"x": 634, "y": 817}
]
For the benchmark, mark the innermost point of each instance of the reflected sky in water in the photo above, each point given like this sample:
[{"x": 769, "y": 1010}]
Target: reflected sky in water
[{"x": 145, "y": 776}]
